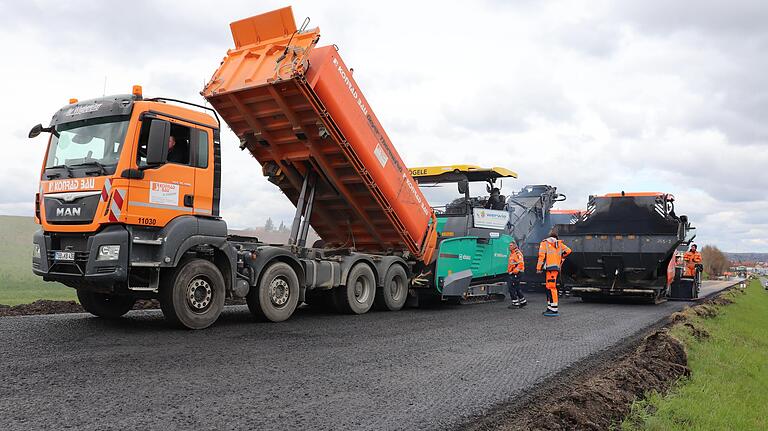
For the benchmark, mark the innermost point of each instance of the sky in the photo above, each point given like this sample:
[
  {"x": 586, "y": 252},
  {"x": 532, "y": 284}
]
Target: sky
[{"x": 588, "y": 96}]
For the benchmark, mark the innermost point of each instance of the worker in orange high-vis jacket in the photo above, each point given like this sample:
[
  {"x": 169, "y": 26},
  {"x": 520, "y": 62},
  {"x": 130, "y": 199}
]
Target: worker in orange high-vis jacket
[
  {"x": 692, "y": 257},
  {"x": 552, "y": 252},
  {"x": 515, "y": 269}
]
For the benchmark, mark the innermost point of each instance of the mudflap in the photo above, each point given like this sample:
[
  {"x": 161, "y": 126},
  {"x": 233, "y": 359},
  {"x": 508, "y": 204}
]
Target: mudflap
[
  {"x": 457, "y": 283},
  {"x": 457, "y": 287}
]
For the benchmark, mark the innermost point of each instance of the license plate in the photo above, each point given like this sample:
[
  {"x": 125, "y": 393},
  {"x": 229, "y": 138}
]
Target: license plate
[{"x": 64, "y": 255}]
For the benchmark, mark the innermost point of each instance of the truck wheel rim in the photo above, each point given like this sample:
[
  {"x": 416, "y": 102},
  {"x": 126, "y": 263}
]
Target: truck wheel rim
[
  {"x": 279, "y": 292},
  {"x": 199, "y": 294},
  {"x": 396, "y": 288},
  {"x": 362, "y": 290}
]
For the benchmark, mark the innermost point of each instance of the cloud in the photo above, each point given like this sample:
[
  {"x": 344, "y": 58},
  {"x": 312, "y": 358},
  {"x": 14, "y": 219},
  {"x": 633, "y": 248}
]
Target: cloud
[
  {"x": 589, "y": 96},
  {"x": 739, "y": 18}
]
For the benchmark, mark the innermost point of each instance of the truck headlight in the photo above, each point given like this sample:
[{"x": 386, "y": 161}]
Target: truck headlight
[
  {"x": 108, "y": 252},
  {"x": 36, "y": 251}
]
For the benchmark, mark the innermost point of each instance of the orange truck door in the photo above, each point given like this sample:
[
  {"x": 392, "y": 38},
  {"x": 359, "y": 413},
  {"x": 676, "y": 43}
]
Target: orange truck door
[
  {"x": 167, "y": 191},
  {"x": 202, "y": 156}
]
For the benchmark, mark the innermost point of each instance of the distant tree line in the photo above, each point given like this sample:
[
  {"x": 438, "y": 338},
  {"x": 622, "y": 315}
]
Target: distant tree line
[
  {"x": 715, "y": 262},
  {"x": 269, "y": 226}
]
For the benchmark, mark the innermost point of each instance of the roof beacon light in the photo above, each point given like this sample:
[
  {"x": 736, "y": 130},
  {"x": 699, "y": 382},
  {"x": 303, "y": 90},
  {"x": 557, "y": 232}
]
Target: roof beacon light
[
  {"x": 72, "y": 101},
  {"x": 136, "y": 90}
]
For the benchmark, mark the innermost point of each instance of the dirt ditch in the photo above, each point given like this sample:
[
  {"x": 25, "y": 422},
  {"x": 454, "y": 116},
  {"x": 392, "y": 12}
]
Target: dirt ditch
[
  {"x": 44, "y": 306},
  {"x": 601, "y": 393}
]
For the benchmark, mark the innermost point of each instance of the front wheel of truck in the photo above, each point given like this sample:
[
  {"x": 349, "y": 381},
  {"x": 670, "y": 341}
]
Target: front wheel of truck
[
  {"x": 103, "y": 304},
  {"x": 277, "y": 294},
  {"x": 192, "y": 294}
]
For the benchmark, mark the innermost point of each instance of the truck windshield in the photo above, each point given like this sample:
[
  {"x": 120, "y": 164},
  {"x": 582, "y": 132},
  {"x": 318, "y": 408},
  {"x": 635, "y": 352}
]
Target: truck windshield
[{"x": 86, "y": 148}]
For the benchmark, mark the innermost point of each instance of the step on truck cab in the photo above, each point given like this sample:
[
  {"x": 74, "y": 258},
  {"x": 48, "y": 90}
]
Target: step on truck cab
[{"x": 130, "y": 188}]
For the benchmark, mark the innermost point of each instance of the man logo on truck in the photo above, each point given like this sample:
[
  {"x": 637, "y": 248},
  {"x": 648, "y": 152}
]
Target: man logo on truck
[{"x": 68, "y": 212}]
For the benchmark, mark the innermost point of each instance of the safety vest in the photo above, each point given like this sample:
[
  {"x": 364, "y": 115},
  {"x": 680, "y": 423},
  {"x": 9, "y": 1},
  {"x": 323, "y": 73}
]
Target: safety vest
[
  {"x": 551, "y": 254},
  {"x": 692, "y": 257},
  {"x": 516, "y": 264}
]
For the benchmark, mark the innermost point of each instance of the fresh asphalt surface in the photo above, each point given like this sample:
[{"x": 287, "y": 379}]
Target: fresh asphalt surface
[{"x": 414, "y": 369}]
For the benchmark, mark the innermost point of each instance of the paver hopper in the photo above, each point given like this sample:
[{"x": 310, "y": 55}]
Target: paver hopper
[{"x": 623, "y": 245}]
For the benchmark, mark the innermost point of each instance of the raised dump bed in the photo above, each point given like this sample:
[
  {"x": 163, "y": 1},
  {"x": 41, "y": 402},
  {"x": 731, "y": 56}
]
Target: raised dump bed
[
  {"x": 623, "y": 245},
  {"x": 297, "y": 109}
]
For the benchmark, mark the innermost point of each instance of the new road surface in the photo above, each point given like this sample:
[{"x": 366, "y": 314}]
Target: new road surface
[{"x": 414, "y": 369}]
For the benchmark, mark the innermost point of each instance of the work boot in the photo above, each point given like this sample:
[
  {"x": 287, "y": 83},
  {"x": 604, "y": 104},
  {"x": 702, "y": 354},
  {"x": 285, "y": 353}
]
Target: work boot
[
  {"x": 522, "y": 303},
  {"x": 551, "y": 313},
  {"x": 515, "y": 304}
]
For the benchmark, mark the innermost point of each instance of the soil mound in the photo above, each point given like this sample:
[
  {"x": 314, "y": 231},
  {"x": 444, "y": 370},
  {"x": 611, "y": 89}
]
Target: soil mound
[
  {"x": 605, "y": 398},
  {"x": 44, "y": 306},
  {"x": 41, "y": 306}
]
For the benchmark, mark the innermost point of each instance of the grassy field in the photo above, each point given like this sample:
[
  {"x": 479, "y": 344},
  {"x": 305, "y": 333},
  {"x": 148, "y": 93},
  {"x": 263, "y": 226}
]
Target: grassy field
[
  {"x": 17, "y": 283},
  {"x": 728, "y": 387}
]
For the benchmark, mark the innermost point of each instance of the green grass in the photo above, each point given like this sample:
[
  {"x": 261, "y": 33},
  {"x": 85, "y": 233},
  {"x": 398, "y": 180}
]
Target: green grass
[
  {"x": 18, "y": 285},
  {"x": 728, "y": 387}
]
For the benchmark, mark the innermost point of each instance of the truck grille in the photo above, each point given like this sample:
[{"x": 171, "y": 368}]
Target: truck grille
[
  {"x": 69, "y": 242},
  {"x": 76, "y": 267},
  {"x": 78, "y": 210}
]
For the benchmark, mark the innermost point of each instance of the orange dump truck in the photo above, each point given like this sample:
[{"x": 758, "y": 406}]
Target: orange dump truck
[{"x": 130, "y": 188}]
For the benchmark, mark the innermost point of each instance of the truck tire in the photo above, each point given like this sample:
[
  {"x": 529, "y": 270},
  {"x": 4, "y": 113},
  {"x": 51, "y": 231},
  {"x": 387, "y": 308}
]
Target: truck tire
[
  {"x": 357, "y": 296},
  {"x": 105, "y": 305},
  {"x": 394, "y": 291},
  {"x": 192, "y": 294},
  {"x": 277, "y": 295}
]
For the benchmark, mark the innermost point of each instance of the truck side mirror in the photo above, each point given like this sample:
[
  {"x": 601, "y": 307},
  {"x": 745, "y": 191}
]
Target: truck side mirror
[
  {"x": 157, "y": 142},
  {"x": 463, "y": 186},
  {"x": 36, "y": 131}
]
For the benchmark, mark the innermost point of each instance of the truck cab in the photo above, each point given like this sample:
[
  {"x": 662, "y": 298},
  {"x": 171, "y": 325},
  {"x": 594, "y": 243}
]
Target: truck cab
[{"x": 128, "y": 186}]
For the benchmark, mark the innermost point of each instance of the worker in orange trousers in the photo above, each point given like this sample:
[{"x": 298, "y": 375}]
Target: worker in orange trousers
[
  {"x": 552, "y": 253},
  {"x": 692, "y": 257}
]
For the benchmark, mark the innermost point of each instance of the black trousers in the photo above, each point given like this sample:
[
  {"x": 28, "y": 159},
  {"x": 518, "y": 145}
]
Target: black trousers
[{"x": 513, "y": 285}]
